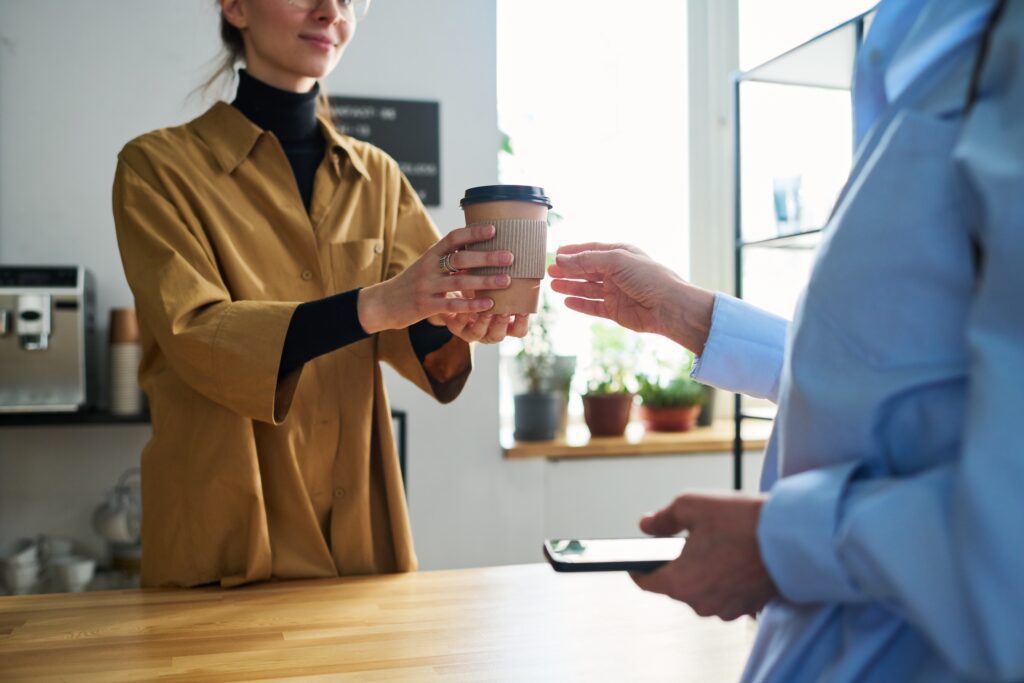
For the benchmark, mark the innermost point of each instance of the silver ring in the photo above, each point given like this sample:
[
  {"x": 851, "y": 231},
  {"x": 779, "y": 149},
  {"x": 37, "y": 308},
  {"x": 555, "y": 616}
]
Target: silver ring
[{"x": 446, "y": 264}]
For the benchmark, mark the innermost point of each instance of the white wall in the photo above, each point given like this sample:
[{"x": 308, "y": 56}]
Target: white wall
[{"x": 79, "y": 79}]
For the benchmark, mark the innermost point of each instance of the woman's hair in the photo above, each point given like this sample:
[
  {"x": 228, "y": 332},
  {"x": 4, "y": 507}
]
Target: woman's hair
[
  {"x": 233, "y": 53},
  {"x": 224, "y": 64}
]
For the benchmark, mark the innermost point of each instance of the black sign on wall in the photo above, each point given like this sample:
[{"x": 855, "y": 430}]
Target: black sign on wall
[{"x": 408, "y": 130}]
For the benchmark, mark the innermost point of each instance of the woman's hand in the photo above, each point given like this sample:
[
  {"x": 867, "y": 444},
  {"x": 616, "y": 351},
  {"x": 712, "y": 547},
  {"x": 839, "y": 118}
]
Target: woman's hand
[
  {"x": 426, "y": 289},
  {"x": 623, "y": 284},
  {"x": 485, "y": 327},
  {"x": 720, "y": 571}
]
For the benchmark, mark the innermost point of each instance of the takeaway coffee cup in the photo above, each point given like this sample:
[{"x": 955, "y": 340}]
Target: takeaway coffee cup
[{"x": 519, "y": 214}]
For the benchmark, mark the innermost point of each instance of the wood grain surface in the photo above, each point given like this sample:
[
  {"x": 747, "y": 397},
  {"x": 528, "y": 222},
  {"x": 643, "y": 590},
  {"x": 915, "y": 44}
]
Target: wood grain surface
[
  {"x": 577, "y": 443},
  {"x": 522, "y": 623}
]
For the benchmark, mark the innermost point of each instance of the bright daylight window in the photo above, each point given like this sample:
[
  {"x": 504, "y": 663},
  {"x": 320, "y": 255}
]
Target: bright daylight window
[{"x": 593, "y": 100}]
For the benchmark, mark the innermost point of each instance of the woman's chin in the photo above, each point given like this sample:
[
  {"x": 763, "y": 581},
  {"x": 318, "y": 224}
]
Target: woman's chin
[{"x": 317, "y": 69}]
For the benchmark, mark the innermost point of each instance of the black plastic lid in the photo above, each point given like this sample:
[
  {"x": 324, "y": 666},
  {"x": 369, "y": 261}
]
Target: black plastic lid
[{"x": 505, "y": 193}]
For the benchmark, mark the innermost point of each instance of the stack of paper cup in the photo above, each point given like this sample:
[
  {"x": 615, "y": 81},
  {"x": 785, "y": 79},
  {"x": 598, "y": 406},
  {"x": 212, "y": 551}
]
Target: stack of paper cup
[{"x": 125, "y": 357}]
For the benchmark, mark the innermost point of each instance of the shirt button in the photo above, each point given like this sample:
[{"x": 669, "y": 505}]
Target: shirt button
[
  {"x": 307, "y": 275},
  {"x": 378, "y": 248},
  {"x": 339, "y": 493}
]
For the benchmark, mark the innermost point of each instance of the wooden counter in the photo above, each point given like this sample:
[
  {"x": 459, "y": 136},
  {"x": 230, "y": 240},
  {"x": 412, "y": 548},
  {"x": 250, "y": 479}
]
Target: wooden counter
[{"x": 524, "y": 623}]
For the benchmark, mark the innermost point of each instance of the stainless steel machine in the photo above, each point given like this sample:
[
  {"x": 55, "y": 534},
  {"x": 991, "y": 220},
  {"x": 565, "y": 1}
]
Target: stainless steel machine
[{"x": 47, "y": 337}]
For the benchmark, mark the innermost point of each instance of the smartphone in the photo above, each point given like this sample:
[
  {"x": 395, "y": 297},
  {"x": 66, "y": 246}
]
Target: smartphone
[{"x": 611, "y": 554}]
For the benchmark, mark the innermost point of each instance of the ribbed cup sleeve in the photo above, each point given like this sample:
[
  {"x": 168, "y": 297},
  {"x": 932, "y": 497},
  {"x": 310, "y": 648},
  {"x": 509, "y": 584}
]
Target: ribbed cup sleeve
[{"x": 526, "y": 239}]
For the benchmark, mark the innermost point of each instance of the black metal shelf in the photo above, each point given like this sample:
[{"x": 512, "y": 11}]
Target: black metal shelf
[
  {"x": 79, "y": 419},
  {"x": 807, "y": 64}
]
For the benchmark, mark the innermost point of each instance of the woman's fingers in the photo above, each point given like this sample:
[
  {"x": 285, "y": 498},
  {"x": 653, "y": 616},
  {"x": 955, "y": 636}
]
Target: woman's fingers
[
  {"x": 587, "y": 290},
  {"x": 458, "y": 322},
  {"x": 497, "y": 330},
  {"x": 449, "y": 305},
  {"x": 477, "y": 329},
  {"x": 464, "y": 283},
  {"x": 519, "y": 326},
  {"x": 460, "y": 237},
  {"x": 468, "y": 326},
  {"x": 464, "y": 260}
]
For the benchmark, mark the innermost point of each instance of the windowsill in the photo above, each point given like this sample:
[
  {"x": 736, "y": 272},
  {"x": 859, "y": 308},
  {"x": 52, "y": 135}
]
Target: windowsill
[{"x": 577, "y": 443}]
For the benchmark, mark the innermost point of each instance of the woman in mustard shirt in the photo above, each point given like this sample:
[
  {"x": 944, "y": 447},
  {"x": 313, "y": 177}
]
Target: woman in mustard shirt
[{"x": 274, "y": 263}]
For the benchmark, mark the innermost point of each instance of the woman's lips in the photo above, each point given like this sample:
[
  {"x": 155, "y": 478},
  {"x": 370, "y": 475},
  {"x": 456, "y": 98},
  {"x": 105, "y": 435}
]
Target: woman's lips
[{"x": 319, "y": 42}]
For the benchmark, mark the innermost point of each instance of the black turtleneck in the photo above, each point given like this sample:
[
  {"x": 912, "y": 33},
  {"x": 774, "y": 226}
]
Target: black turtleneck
[
  {"x": 291, "y": 117},
  {"x": 321, "y": 326}
]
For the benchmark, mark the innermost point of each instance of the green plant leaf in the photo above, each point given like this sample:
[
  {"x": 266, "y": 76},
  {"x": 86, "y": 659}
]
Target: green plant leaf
[{"x": 506, "y": 144}]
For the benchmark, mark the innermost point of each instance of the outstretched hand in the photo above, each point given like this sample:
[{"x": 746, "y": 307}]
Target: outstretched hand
[{"x": 623, "y": 284}]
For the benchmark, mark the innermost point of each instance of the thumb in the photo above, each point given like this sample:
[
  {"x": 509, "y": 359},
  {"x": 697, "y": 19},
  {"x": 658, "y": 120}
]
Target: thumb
[{"x": 669, "y": 521}]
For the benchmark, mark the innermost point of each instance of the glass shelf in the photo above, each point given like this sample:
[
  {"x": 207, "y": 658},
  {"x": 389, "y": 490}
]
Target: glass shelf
[
  {"x": 795, "y": 240},
  {"x": 758, "y": 413},
  {"x": 823, "y": 62}
]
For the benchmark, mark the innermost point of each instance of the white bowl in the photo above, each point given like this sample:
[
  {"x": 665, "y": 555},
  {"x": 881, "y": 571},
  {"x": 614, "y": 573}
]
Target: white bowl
[
  {"x": 21, "y": 552},
  {"x": 72, "y": 573},
  {"x": 52, "y": 547},
  {"x": 20, "y": 578}
]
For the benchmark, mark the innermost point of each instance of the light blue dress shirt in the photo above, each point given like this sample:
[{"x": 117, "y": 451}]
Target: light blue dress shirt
[{"x": 895, "y": 525}]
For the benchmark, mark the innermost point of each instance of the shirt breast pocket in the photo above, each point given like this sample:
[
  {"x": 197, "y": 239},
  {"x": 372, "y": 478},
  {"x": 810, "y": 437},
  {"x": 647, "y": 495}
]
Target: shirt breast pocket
[
  {"x": 894, "y": 275},
  {"x": 357, "y": 263}
]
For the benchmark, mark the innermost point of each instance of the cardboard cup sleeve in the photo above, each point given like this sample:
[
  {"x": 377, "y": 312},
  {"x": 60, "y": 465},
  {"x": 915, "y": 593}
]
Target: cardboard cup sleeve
[{"x": 526, "y": 239}]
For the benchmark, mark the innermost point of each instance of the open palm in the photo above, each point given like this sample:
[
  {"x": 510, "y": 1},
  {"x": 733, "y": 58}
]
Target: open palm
[{"x": 614, "y": 281}]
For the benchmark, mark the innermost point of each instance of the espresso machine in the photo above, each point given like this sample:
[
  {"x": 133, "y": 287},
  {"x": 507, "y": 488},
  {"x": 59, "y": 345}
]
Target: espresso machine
[{"x": 47, "y": 337}]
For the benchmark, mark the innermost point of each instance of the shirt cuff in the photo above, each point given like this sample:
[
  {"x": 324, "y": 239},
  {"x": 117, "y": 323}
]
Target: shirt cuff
[
  {"x": 427, "y": 338},
  {"x": 744, "y": 350},
  {"x": 797, "y": 536}
]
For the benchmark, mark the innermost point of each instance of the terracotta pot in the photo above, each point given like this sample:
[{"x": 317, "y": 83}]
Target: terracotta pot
[
  {"x": 607, "y": 414},
  {"x": 669, "y": 419}
]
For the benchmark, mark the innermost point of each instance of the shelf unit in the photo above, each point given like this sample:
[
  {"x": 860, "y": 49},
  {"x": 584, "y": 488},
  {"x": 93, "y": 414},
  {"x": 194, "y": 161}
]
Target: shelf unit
[{"x": 819, "y": 68}]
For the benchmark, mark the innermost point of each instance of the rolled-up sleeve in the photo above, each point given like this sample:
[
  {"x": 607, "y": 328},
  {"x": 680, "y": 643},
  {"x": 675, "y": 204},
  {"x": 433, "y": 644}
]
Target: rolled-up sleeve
[
  {"x": 229, "y": 351},
  {"x": 744, "y": 350}
]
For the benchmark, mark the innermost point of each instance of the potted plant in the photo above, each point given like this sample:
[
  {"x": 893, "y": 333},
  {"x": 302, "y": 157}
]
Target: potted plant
[
  {"x": 608, "y": 402},
  {"x": 543, "y": 387},
  {"x": 671, "y": 405}
]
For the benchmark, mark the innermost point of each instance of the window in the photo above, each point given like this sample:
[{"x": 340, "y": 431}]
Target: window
[{"x": 592, "y": 97}]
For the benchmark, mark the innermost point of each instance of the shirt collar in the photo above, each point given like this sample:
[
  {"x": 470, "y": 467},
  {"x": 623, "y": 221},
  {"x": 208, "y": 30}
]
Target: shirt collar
[
  {"x": 231, "y": 137},
  {"x": 942, "y": 27},
  {"x": 341, "y": 144}
]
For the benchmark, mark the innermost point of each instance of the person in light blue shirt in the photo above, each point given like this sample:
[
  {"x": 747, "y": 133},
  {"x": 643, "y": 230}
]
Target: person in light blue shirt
[{"x": 888, "y": 544}]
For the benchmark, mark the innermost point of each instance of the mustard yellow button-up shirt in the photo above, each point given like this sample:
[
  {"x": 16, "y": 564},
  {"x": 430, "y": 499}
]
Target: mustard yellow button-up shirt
[{"x": 245, "y": 477}]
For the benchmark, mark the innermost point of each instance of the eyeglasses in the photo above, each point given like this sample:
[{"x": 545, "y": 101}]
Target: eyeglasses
[{"x": 354, "y": 9}]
